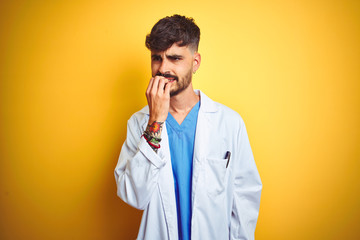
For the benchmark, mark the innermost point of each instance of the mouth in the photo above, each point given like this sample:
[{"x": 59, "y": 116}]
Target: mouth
[{"x": 170, "y": 78}]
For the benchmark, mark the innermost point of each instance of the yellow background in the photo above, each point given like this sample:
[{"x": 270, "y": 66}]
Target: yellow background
[{"x": 73, "y": 72}]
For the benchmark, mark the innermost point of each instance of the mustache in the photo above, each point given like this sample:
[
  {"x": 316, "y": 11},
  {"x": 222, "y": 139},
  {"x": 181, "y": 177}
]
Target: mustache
[{"x": 167, "y": 76}]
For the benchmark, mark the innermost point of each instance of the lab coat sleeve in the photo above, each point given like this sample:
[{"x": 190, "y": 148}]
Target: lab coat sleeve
[
  {"x": 138, "y": 168},
  {"x": 247, "y": 190}
]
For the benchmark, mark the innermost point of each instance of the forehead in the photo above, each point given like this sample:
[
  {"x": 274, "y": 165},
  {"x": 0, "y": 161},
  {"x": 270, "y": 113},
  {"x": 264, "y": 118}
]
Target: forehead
[{"x": 174, "y": 50}]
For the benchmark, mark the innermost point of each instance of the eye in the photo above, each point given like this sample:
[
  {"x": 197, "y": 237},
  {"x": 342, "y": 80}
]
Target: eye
[
  {"x": 156, "y": 58},
  {"x": 175, "y": 58}
]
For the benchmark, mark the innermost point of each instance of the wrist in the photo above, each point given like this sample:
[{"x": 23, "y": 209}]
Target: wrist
[
  {"x": 156, "y": 119},
  {"x": 151, "y": 138},
  {"x": 155, "y": 145}
]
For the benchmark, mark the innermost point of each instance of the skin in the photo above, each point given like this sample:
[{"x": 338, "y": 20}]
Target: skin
[{"x": 173, "y": 93}]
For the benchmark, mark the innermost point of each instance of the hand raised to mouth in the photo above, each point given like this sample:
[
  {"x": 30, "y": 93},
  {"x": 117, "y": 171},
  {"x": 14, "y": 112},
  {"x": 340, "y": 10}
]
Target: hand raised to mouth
[{"x": 158, "y": 98}]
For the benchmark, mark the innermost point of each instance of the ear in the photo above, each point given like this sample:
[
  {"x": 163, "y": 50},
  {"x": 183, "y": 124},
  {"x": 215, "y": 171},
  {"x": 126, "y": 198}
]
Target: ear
[{"x": 196, "y": 61}]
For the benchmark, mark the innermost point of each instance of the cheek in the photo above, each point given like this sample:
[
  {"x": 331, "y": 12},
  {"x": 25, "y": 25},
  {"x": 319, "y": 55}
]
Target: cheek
[
  {"x": 183, "y": 71},
  {"x": 154, "y": 69}
]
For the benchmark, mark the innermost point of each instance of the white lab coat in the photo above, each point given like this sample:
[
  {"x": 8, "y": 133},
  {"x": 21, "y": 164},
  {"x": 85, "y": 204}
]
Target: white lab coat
[{"x": 225, "y": 201}]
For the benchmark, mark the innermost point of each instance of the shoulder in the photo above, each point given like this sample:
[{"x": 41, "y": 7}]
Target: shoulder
[
  {"x": 140, "y": 118},
  {"x": 230, "y": 116},
  {"x": 221, "y": 112},
  {"x": 228, "y": 112}
]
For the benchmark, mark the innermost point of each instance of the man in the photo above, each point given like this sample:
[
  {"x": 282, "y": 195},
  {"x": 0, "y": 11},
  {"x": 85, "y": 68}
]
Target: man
[{"x": 187, "y": 160}]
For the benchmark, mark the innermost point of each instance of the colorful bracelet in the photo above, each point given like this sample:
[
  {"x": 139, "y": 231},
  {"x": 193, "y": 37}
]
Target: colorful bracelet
[
  {"x": 151, "y": 138},
  {"x": 152, "y": 145}
]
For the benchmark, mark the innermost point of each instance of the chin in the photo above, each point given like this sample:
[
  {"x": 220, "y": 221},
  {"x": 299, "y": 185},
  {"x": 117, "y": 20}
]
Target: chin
[{"x": 175, "y": 92}]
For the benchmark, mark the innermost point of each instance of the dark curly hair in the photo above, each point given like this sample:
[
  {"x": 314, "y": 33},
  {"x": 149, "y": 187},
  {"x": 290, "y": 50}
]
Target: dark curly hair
[{"x": 175, "y": 29}]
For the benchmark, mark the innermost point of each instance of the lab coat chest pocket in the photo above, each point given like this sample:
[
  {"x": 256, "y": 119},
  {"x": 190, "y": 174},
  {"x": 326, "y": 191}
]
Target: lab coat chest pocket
[{"x": 215, "y": 175}]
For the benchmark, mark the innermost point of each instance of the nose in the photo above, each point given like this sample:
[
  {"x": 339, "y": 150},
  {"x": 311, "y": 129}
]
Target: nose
[{"x": 164, "y": 67}]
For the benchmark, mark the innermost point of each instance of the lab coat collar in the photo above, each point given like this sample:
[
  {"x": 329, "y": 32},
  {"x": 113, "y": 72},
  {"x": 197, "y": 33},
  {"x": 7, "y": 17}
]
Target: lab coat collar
[{"x": 206, "y": 104}]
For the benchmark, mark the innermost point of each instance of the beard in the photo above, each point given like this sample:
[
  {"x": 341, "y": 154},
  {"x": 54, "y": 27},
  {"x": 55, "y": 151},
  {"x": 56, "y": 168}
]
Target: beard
[{"x": 181, "y": 84}]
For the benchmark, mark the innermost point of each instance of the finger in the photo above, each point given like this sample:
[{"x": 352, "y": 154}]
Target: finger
[
  {"x": 149, "y": 86},
  {"x": 155, "y": 85},
  {"x": 161, "y": 86},
  {"x": 167, "y": 88}
]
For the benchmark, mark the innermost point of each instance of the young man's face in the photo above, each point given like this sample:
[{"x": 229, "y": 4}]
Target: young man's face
[{"x": 175, "y": 64}]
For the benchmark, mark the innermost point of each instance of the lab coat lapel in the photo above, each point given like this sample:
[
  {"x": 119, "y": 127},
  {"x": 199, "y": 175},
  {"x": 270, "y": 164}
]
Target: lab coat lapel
[
  {"x": 201, "y": 142},
  {"x": 166, "y": 187},
  {"x": 202, "y": 138}
]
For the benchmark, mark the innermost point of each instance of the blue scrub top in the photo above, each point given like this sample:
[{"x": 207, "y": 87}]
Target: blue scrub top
[{"x": 181, "y": 142}]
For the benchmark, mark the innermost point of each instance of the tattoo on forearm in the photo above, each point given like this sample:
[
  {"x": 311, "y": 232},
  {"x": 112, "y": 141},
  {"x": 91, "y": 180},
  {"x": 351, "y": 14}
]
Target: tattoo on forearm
[{"x": 154, "y": 129}]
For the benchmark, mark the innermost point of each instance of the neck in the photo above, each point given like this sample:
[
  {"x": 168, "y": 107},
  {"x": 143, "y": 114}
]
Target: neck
[{"x": 184, "y": 101}]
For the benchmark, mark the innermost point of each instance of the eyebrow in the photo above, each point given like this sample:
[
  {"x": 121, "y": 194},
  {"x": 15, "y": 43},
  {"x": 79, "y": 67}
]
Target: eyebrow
[
  {"x": 155, "y": 55},
  {"x": 172, "y": 56}
]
